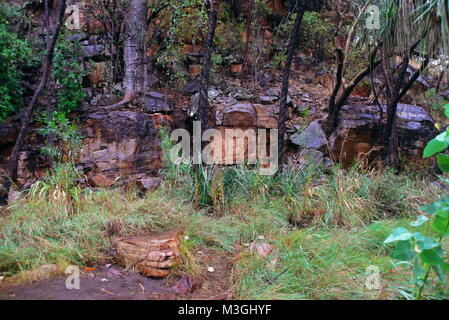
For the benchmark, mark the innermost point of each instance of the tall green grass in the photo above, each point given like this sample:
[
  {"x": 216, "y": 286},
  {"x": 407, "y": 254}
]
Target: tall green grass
[{"x": 318, "y": 264}]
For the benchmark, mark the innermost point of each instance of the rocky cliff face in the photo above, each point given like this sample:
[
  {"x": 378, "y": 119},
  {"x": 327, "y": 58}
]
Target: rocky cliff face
[
  {"x": 122, "y": 142},
  {"x": 359, "y": 133}
]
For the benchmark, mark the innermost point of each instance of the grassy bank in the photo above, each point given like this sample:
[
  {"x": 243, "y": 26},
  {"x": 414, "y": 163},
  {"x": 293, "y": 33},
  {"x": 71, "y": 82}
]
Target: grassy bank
[{"x": 326, "y": 228}]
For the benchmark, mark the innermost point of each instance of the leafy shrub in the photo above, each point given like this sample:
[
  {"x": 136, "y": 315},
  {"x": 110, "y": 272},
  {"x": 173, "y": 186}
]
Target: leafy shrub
[
  {"x": 14, "y": 54},
  {"x": 68, "y": 73},
  {"x": 67, "y": 77},
  {"x": 423, "y": 249},
  {"x": 316, "y": 33}
]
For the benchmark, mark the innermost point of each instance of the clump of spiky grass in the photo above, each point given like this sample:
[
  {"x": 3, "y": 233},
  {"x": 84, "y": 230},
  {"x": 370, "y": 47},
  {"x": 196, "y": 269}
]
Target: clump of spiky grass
[
  {"x": 59, "y": 187},
  {"x": 355, "y": 198}
]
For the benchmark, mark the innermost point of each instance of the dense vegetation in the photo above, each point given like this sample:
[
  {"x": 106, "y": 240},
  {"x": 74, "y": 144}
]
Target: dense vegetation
[{"x": 328, "y": 224}]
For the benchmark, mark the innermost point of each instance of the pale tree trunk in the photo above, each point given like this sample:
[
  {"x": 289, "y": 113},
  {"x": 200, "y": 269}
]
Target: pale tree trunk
[
  {"x": 136, "y": 78},
  {"x": 135, "y": 81},
  {"x": 46, "y": 67}
]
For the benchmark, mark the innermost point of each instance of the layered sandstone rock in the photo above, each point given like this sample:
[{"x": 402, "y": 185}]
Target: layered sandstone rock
[
  {"x": 152, "y": 255},
  {"x": 238, "y": 124},
  {"x": 359, "y": 133},
  {"x": 123, "y": 142}
]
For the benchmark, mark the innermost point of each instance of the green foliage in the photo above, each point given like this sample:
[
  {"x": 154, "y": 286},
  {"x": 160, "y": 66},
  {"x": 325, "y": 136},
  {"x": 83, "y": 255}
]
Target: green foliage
[
  {"x": 436, "y": 104},
  {"x": 65, "y": 132},
  {"x": 425, "y": 252},
  {"x": 318, "y": 263},
  {"x": 15, "y": 53},
  {"x": 228, "y": 40},
  {"x": 174, "y": 173},
  {"x": 63, "y": 179},
  {"x": 316, "y": 32},
  {"x": 67, "y": 76},
  {"x": 45, "y": 229},
  {"x": 186, "y": 22},
  {"x": 68, "y": 73},
  {"x": 216, "y": 60},
  {"x": 278, "y": 59},
  {"x": 438, "y": 144},
  {"x": 202, "y": 185},
  {"x": 60, "y": 186}
]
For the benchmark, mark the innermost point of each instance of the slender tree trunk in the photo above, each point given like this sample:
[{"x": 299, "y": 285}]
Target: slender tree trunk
[
  {"x": 395, "y": 91},
  {"x": 203, "y": 104},
  {"x": 390, "y": 156},
  {"x": 249, "y": 24},
  {"x": 440, "y": 79},
  {"x": 299, "y": 9},
  {"x": 46, "y": 67}
]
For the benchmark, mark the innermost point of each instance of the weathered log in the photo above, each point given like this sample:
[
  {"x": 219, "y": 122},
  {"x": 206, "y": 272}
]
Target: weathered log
[{"x": 152, "y": 255}]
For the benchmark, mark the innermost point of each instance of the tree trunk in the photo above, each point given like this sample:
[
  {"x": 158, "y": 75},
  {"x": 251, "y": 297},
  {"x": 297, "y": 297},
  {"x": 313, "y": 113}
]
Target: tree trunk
[
  {"x": 390, "y": 156},
  {"x": 249, "y": 24},
  {"x": 395, "y": 91},
  {"x": 203, "y": 103},
  {"x": 300, "y": 9},
  {"x": 46, "y": 66},
  {"x": 136, "y": 77}
]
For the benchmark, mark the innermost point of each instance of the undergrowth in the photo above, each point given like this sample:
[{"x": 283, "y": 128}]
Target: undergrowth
[{"x": 327, "y": 228}]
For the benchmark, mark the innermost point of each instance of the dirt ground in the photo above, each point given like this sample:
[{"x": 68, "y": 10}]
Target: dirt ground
[{"x": 102, "y": 284}]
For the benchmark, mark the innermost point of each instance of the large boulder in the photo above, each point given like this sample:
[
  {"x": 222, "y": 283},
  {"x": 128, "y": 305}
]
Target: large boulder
[
  {"x": 156, "y": 102},
  {"x": 313, "y": 137},
  {"x": 240, "y": 115},
  {"x": 267, "y": 116},
  {"x": 359, "y": 132},
  {"x": 122, "y": 142},
  {"x": 152, "y": 255},
  {"x": 93, "y": 51}
]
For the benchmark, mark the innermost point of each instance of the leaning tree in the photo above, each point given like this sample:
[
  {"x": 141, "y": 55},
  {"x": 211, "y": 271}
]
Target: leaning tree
[
  {"x": 51, "y": 39},
  {"x": 349, "y": 17},
  {"x": 297, "y": 7}
]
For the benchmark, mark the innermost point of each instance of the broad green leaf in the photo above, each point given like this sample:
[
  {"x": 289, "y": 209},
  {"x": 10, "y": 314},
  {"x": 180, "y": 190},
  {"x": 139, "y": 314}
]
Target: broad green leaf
[
  {"x": 425, "y": 243},
  {"x": 440, "y": 205},
  {"x": 431, "y": 257},
  {"x": 421, "y": 219},
  {"x": 443, "y": 162},
  {"x": 439, "y": 270},
  {"x": 446, "y": 112},
  {"x": 403, "y": 251},
  {"x": 440, "y": 223},
  {"x": 399, "y": 234},
  {"x": 436, "y": 145},
  {"x": 443, "y": 179},
  {"x": 433, "y": 147}
]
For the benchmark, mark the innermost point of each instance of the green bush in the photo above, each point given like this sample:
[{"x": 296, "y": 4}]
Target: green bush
[
  {"x": 422, "y": 248},
  {"x": 15, "y": 53},
  {"x": 67, "y": 77}
]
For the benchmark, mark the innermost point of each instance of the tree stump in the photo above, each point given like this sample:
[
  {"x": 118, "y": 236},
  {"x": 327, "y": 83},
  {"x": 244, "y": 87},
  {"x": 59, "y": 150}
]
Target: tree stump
[{"x": 152, "y": 255}]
